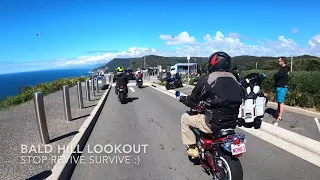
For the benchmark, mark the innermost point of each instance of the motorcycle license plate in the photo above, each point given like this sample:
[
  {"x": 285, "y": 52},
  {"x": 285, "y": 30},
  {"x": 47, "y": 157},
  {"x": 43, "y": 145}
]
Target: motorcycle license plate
[
  {"x": 139, "y": 80},
  {"x": 121, "y": 89},
  {"x": 238, "y": 149}
]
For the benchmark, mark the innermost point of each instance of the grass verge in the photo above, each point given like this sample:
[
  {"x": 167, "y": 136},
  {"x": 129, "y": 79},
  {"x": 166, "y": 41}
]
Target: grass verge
[{"x": 26, "y": 93}]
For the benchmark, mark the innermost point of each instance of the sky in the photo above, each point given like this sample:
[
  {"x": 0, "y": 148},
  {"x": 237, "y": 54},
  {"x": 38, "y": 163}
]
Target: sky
[{"x": 82, "y": 33}]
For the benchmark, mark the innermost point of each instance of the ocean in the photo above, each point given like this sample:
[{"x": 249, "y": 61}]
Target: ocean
[{"x": 10, "y": 83}]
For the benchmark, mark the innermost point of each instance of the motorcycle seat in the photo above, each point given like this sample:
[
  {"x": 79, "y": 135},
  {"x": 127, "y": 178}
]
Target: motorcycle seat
[{"x": 221, "y": 133}]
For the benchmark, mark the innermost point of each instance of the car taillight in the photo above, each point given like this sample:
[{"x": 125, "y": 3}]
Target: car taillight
[
  {"x": 121, "y": 87},
  {"x": 237, "y": 141}
]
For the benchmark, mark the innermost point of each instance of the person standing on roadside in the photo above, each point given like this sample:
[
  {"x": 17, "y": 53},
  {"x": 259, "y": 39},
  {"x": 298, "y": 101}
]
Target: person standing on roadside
[{"x": 281, "y": 84}]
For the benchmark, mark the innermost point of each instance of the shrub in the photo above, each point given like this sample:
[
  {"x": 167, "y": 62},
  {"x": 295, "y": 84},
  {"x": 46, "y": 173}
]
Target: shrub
[{"x": 26, "y": 93}]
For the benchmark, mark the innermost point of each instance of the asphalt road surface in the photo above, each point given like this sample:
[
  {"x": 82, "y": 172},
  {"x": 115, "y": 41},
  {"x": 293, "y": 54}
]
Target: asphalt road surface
[{"x": 153, "y": 118}]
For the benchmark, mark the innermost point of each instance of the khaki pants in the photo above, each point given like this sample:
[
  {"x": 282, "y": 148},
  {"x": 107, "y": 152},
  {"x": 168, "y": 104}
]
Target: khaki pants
[{"x": 197, "y": 121}]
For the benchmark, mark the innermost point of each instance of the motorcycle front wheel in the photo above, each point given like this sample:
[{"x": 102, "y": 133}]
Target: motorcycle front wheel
[
  {"x": 231, "y": 168},
  {"x": 167, "y": 86}
]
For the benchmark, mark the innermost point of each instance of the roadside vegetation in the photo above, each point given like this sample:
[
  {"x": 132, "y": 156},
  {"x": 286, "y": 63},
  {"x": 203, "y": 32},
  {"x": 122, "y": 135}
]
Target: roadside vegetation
[{"x": 26, "y": 93}]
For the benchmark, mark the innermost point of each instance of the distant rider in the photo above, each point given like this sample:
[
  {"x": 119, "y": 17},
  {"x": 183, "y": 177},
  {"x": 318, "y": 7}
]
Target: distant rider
[
  {"x": 139, "y": 75},
  {"x": 221, "y": 90},
  {"x": 121, "y": 79},
  {"x": 235, "y": 72}
]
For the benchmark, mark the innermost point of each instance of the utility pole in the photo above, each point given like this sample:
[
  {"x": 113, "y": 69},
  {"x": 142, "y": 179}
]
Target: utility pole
[
  {"x": 291, "y": 64},
  {"x": 144, "y": 62},
  {"x": 188, "y": 58}
]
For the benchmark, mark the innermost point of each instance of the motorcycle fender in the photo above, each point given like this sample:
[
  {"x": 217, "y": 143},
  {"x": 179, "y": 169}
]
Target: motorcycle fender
[
  {"x": 240, "y": 115},
  {"x": 249, "y": 120},
  {"x": 248, "y": 106}
]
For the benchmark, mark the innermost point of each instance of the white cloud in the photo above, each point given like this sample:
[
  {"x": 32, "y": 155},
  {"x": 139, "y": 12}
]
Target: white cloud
[
  {"x": 314, "y": 43},
  {"x": 131, "y": 52},
  {"x": 295, "y": 30},
  {"x": 232, "y": 44},
  {"x": 182, "y": 38}
]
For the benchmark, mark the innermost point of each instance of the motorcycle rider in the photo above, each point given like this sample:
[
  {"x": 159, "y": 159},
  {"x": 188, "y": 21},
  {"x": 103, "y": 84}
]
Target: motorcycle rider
[
  {"x": 235, "y": 72},
  {"x": 139, "y": 75},
  {"x": 121, "y": 79},
  {"x": 220, "y": 89}
]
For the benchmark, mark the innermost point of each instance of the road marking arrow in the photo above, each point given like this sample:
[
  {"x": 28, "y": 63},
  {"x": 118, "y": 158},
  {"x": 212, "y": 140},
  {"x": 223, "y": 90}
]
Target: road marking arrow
[{"x": 132, "y": 89}]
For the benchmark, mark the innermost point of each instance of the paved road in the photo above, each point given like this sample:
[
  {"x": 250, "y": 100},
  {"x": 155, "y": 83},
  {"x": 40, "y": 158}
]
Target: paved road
[
  {"x": 298, "y": 123},
  {"x": 153, "y": 118}
]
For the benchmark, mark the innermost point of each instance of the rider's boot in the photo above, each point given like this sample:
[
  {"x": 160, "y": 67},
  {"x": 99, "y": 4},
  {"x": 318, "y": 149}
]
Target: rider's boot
[{"x": 193, "y": 151}]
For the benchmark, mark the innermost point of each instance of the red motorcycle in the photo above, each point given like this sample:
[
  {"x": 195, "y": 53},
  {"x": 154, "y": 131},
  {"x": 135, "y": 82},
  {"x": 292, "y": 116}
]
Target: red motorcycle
[{"x": 219, "y": 152}]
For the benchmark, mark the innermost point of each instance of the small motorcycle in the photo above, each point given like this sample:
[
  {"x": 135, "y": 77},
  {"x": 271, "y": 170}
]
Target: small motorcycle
[
  {"x": 140, "y": 82},
  {"x": 254, "y": 102},
  {"x": 219, "y": 152},
  {"x": 122, "y": 93},
  {"x": 173, "y": 83}
]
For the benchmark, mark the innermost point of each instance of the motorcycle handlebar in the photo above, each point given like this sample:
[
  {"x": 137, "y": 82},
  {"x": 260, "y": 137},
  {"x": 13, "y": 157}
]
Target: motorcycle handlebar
[{"x": 247, "y": 80}]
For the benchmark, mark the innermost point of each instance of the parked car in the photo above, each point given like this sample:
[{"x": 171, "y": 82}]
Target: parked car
[
  {"x": 143, "y": 70},
  {"x": 130, "y": 74}
]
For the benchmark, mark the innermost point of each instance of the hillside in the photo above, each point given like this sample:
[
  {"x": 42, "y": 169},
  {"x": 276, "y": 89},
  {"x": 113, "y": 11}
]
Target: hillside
[{"x": 305, "y": 62}]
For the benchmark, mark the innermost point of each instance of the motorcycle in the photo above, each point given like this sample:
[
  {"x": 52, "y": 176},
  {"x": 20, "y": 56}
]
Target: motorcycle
[
  {"x": 139, "y": 83},
  {"x": 173, "y": 83},
  {"x": 254, "y": 102},
  {"x": 122, "y": 93},
  {"x": 219, "y": 152}
]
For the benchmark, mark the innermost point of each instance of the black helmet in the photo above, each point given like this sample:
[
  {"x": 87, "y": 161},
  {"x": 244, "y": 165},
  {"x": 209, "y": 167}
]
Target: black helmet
[{"x": 219, "y": 61}]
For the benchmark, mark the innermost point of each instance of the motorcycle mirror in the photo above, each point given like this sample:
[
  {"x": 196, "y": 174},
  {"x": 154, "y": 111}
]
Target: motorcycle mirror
[{"x": 177, "y": 93}]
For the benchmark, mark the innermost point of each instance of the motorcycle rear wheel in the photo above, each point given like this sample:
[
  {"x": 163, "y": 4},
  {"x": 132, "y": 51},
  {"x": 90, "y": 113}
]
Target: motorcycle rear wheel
[
  {"x": 231, "y": 166},
  {"x": 121, "y": 97}
]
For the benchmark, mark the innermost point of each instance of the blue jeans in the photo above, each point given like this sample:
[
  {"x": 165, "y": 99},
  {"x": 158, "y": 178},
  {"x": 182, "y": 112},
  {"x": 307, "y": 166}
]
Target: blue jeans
[{"x": 281, "y": 93}]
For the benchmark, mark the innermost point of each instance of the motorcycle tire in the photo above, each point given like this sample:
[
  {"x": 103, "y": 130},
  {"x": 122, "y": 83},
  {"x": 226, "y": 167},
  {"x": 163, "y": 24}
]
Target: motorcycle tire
[
  {"x": 233, "y": 166},
  {"x": 257, "y": 123},
  {"x": 167, "y": 86},
  {"x": 121, "y": 97}
]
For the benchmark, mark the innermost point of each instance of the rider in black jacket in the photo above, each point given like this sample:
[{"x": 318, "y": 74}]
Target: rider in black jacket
[
  {"x": 222, "y": 92},
  {"x": 121, "y": 79}
]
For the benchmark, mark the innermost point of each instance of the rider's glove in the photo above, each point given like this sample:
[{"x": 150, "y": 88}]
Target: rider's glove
[{"x": 182, "y": 98}]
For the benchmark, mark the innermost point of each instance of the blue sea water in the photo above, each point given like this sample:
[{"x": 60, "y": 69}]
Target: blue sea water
[{"x": 10, "y": 83}]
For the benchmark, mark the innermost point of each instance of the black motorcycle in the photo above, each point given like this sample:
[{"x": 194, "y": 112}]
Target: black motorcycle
[
  {"x": 122, "y": 93},
  {"x": 139, "y": 82},
  {"x": 173, "y": 83}
]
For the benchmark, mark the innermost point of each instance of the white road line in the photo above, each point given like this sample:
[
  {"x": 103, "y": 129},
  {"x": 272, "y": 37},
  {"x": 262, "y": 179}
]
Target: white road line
[
  {"x": 132, "y": 89},
  {"x": 188, "y": 90},
  {"x": 298, "y": 151},
  {"x": 129, "y": 84},
  {"x": 317, "y": 122}
]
